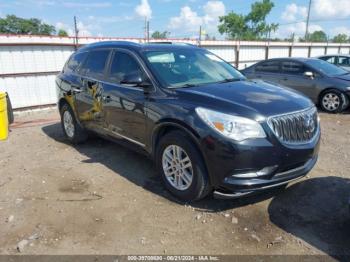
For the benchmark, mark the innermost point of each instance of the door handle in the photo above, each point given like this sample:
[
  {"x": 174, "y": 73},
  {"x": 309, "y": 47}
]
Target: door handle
[
  {"x": 106, "y": 99},
  {"x": 76, "y": 89}
]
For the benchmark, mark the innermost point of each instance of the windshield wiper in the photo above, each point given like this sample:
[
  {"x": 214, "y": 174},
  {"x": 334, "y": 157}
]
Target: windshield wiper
[
  {"x": 227, "y": 80},
  {"x": 189, "y": 85}
]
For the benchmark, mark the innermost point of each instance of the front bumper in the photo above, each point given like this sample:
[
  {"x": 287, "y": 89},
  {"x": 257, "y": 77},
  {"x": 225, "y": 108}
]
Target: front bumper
[
  {"x": 239, "y": 168},
  {"x": 247, "y": 186}
]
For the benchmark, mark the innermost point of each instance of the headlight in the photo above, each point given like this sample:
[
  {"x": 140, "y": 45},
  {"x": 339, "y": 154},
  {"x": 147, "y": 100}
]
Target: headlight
[
  {"x": 234, "y": 127},
  {"x": 347, "y": 88}
]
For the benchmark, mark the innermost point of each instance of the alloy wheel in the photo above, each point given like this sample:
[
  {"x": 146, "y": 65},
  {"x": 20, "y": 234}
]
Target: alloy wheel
[
  {"x": 68, "y": 124},
  {"x": 177, "y": 167},
  {"x": 331, "y": 101}
]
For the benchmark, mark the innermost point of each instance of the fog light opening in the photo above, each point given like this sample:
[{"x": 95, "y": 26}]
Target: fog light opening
[{"x": 262, "y": 172}]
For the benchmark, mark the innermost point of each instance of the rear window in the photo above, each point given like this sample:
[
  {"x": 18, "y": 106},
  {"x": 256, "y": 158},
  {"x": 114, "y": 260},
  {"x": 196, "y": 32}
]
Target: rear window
[
  {"x": 344, "y": 61},
  {"x": 95, "y": 63},
  {"x": 268, "y": 66},
  {"x": 330, "y": 59},
  {"x": 76, "y": 60}
]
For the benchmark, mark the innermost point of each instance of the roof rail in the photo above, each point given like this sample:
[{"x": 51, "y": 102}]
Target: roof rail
[{"x": 169, "y": 43}]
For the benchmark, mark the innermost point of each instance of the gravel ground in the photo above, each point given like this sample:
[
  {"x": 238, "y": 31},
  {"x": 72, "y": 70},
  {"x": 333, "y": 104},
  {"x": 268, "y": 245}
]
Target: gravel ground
[{"x": 101, "y": 198}]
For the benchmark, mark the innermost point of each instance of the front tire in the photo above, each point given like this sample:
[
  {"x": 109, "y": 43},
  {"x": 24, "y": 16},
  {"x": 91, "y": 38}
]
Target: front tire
[
  {"x": 72, "y": 130},
  {"x": 181, "y": 167},
  {"x": 332, "y": 101}
]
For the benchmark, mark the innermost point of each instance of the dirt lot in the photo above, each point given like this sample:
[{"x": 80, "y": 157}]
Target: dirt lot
[{"x": 101, "y": 198}]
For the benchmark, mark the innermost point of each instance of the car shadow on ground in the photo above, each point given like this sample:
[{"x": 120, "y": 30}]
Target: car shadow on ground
[
  {"x": 317, "y": 212},
  {"x": 314, "y": 210},
  {"x": 139, "y": 170}
]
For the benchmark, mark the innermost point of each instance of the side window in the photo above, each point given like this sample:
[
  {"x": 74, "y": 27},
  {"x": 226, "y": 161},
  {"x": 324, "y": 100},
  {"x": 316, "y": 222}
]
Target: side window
[
  {"x": 123, "y": 64},
  {"x": 330, "y": 59},
  {"x": 76, "y": 60},
  {"x": 293, "y": 68},
  {"x": 268, "y": 67},
  {"x": 344, "y": 61},
  {"x": 95, "y": 63}
]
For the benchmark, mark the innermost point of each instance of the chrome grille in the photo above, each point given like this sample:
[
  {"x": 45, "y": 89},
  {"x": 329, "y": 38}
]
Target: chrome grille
[{"x": 295, "y": 128}]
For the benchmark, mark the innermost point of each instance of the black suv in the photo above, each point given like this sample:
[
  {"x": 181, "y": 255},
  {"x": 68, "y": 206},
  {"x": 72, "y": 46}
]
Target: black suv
[{"x": 206, "y": 127}]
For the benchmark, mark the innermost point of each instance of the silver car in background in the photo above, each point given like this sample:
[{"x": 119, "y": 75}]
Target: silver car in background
[
  {"x": 325, "y": 84},
  {"x": 339, "y": 60}
]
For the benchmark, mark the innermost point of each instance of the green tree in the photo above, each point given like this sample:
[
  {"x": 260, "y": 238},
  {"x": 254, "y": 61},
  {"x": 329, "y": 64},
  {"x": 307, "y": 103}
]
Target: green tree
[
  {"x": 62, "y": 32},
  {"x": 317, "y": 36},
  {"x": 12, "y": 24},
  {"x": 160, "y": 35},
  {"x": 252, "y": 26},
  {"x": 340, "y": 38}
]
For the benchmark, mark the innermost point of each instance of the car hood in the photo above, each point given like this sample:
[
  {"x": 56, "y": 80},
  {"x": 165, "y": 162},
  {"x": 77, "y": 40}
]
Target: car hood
[{"x": 256, "y": 98}]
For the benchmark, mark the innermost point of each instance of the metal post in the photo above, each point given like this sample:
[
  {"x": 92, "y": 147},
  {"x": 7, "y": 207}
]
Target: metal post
[
  {"x": 237, "y": 54},
  {"x": 267, "y": 49},
  {"x": 290, "y": 53},
  {"x": 309, "y": 51}
]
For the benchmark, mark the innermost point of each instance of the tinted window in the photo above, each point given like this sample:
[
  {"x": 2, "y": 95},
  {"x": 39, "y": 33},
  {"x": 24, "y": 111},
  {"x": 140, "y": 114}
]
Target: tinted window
[
  {"x": 294, "y": 68},
  {"x": 325, "y": 67},
  {"x": 95, "y": 63},
  {"x": 268, "y": 66},
  {"x": 343, "y": 61},
  {"x": 76, "y": 60},
  {"x": 329, "y": 59},
  {"x": 123, "y": 64}
]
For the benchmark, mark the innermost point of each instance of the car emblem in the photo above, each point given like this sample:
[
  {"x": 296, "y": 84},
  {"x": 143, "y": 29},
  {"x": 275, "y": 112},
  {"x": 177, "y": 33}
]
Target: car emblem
[{"x": 309, "y": 124}]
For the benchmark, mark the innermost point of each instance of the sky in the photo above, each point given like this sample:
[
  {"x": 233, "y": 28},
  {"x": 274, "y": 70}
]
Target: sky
[{"x": 182, "y": 18}]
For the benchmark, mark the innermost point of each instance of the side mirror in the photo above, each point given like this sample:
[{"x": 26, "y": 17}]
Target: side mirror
[
  {"x": 309, "y": 74},
  {"x": 135, "y": 79},
  {"x": 132, "y": 79}
]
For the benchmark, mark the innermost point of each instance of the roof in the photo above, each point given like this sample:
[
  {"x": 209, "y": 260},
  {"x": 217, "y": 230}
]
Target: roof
[
  {"x": 300, "y": 59},
  {"x": 347, "y": 55},
  {"x": 138, "y": 46}
]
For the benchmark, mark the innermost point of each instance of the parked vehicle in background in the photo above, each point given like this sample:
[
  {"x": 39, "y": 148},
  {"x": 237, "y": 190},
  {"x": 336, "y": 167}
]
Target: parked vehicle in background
[
  {"x": 206, "y": 127},
  {"x": 325, "y": 84},
  {"x": 339, "y": 60}
]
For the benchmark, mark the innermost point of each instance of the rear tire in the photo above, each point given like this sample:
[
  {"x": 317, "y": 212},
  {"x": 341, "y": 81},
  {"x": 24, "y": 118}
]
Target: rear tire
[
  {"x": 333, "y": 101},
  {"x": 181, "y": 167},
  {"x": 73, "y": 131}
]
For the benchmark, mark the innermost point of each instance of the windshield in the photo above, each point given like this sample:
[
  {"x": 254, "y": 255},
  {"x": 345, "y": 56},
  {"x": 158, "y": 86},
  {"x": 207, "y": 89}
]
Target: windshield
[
  {"x": 326, "y": 68},
  {"x": 190, "y": 67}
]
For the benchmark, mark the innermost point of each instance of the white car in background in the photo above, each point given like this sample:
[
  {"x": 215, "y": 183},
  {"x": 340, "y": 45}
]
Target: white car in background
[{"x": 339, "y": 60}]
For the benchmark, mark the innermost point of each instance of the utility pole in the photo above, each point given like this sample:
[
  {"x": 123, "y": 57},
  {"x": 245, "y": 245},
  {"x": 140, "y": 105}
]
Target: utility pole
[
  {"x": 145, "y": 30},
  {"x": 76, "y": 33},
  {"x": 200, "y": 36},
  {"x": 147, "y": 34},
  {"x": 307, "y": 21}
]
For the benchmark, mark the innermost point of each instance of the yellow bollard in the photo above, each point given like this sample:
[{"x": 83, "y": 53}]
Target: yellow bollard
[{"x": 4, "y": 125}]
